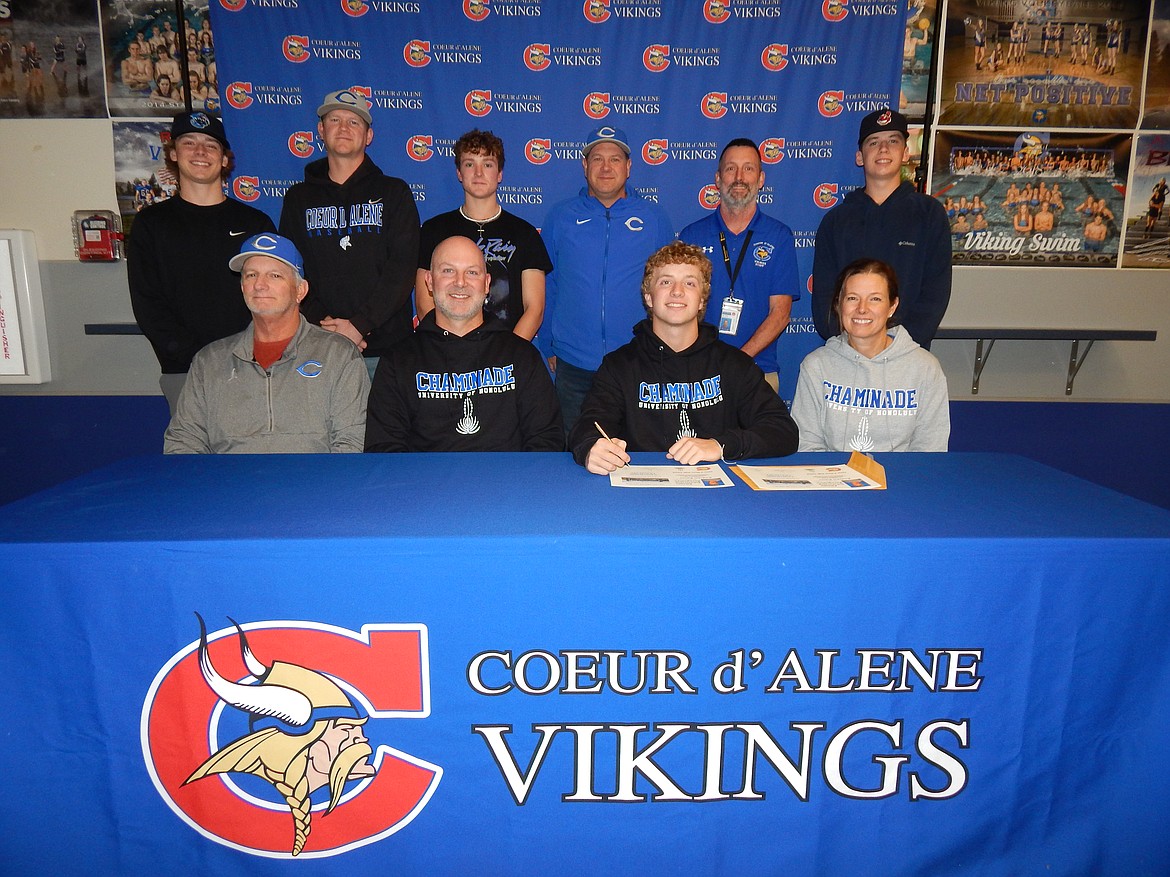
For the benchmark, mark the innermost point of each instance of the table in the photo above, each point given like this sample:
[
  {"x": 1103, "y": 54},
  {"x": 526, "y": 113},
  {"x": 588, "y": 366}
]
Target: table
[{"x": 965, "y": 673}]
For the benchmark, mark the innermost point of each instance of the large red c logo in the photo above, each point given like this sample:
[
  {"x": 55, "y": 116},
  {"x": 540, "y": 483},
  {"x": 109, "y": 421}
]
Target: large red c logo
[{"x": 385, "y": 667}]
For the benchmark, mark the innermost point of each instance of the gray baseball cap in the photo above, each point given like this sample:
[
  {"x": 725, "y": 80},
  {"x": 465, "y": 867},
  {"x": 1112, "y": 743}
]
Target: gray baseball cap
[{"x": 346, "y": 100}]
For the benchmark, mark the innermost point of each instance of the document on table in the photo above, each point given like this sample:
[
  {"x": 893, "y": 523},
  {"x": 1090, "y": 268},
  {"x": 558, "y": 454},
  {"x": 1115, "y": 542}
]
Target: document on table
[
  {"x": 670, "y": 476},
  {"x": 860, "y": 473}
]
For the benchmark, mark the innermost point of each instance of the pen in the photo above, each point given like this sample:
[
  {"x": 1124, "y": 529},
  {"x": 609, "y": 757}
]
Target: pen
[{"x": 604, "y": 434}]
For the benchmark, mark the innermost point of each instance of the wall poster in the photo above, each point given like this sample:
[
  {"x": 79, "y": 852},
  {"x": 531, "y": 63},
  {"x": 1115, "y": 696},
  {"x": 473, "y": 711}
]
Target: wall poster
[
  {"x": 1147, "y": 235},
  {"x": 1157, "y": 108},
  {"x": 1067, "y": 64},
  {"x": 918, "y": 49},
  {"x": 141, "y": 177},
  {"x": 143, "y": 57},
  {"x": 50, "y": 60},
  {"x": 1028, "y": 197}
]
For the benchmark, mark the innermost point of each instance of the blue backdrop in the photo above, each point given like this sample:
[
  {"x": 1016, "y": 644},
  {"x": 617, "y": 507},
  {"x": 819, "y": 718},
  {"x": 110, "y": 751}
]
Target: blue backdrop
[{"x": 682, "y": 78}]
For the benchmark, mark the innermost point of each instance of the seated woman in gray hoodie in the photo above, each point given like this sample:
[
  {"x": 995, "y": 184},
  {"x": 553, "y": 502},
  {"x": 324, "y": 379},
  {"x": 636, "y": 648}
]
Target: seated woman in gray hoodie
[{"x": 871, "y": 388}]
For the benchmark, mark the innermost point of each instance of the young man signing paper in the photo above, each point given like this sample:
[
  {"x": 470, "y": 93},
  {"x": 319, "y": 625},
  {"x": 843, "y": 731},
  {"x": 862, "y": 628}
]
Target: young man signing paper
[{"x": 676, "y": 387}]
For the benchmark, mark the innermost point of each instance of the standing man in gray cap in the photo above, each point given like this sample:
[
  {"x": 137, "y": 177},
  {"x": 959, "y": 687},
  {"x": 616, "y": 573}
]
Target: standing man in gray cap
[
  {"x": 358, "y": 231},
  {"x": 183, "y": 293},
  {"x": 281, "y": 386},
  {"x": 599, "y": 243},
  {"x": 889, "y": 220}
]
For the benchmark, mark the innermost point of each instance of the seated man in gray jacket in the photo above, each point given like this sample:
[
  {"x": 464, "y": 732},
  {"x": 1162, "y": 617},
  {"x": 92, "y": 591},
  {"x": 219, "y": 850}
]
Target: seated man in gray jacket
[{"x": 283, "y": 385}]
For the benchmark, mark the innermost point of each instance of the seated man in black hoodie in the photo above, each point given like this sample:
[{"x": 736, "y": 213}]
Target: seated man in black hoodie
[
  {"x": 676, "y": 387},
  {"x": 463, "y": 381}
]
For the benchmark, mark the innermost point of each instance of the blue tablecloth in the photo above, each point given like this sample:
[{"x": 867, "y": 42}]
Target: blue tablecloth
[{"x": 964, "y": 673}]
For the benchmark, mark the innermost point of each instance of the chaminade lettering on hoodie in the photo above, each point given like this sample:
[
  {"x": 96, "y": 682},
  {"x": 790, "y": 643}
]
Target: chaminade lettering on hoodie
[
  {"x": 694, "y": 393},
  {"x": 498, "y": 379},
  {"x": 871, "y": 397}
]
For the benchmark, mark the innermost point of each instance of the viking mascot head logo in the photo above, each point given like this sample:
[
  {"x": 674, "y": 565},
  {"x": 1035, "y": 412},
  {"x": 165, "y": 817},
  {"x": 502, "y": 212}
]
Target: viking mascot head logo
[{"x": 306, "y": 733}]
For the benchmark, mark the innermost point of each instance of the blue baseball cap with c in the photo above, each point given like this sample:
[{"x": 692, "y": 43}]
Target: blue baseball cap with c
[
  {"x": 606, "y": 134},
  {"x": 272, "y": 245}
]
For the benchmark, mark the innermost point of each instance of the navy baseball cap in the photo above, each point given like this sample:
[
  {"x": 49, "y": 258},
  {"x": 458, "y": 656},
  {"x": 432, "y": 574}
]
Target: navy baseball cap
[
  {"x": 882, "y": 120},
  {"x": 606, "y": 134},
  {"x": 272, "y": 245},
  {"x": 198, "y": 123}
]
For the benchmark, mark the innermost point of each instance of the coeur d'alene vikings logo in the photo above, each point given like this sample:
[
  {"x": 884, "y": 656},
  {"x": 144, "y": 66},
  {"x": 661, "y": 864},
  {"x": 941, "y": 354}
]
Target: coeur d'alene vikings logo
[
  {"x": 268, "y": 740},
  {"x": 246, "y": 188}
]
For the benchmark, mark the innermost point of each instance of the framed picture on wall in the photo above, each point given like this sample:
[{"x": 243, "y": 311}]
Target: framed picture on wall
[{"x": 24, "y": 340}]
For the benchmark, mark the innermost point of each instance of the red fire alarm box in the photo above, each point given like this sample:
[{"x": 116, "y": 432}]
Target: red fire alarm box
[{"x": 97, "y": 235}]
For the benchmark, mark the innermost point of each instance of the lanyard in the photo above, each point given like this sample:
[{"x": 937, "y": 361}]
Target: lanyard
[{"x": 732, "y": 275}]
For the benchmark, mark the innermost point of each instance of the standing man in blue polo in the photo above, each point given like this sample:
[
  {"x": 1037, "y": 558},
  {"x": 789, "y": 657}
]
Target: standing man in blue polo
[
  {"x": 752, "y": 293},
  {"x": 599, "y": 243}
]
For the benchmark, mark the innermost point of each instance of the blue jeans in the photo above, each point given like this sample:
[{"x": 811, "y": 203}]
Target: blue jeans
[{"x": 573, "y": 384}]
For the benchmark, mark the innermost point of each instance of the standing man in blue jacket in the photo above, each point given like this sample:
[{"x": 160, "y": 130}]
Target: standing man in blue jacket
[{"x": 599, "y": 243}]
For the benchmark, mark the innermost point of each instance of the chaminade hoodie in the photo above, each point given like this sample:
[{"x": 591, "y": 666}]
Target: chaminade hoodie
[
  {"x": 488, "y": 390},
  {"x": 652, "y": 397},
  {"x": 896, "y": 401}
]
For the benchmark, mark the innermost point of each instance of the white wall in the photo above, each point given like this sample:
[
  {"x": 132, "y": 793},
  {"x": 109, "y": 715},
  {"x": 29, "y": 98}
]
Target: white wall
[
  {"x": 51, "y": 168},
  {"x": 1059, "y": 298},
  {"x": 54, "y": 167}
]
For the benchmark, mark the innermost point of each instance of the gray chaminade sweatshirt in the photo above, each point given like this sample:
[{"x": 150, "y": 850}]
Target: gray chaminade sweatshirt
[{"x": 896, "y": 401}]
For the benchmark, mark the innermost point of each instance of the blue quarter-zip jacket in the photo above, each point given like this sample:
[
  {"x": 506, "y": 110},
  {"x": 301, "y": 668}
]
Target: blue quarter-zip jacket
[{"x": 594, "y": 293}]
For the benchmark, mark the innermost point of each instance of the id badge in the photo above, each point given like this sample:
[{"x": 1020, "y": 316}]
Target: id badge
[{"x": 729, "y": 316}]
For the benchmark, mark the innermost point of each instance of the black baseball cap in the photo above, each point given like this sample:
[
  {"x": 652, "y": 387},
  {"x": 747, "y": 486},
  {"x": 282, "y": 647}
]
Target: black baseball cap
[
  {"x": 882, "y": 120},
  {"x": 198, "y": 123}
]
